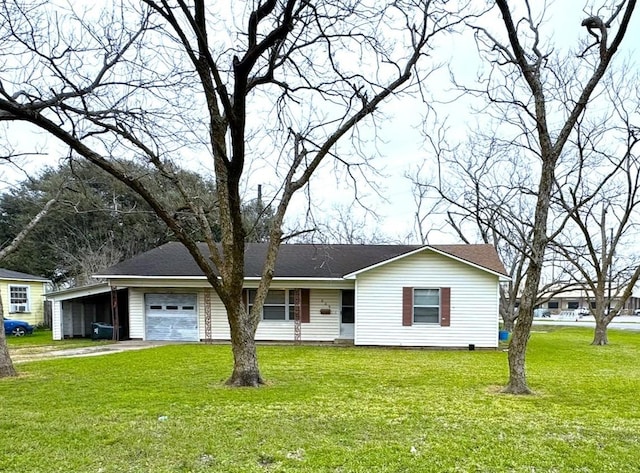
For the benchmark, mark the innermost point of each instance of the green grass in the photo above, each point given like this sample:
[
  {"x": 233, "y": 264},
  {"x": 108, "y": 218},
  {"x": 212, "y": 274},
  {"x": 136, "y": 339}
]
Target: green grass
[
  {"x": 43, "y": 338},
  {"x": 31, "y": 346},
  {"x": 328, "y": 409}
]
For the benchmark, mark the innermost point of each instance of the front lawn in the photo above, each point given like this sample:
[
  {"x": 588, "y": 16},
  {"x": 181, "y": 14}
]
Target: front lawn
[{"x": 328, "y": 409}]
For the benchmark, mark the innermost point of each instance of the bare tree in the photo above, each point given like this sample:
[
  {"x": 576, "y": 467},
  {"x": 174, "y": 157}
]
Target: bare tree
[
  {"x": 340, "y": 225},
  {"x": 482, "y": 191},
  {"x": 602, "y": 201},
  {"x": 283, "y": 82},
  {"x": 541, "y": 95},
  {"x": 258, "y": 217},
  {"x": 430, "y": 205},
  {"x": 6, "y": 365}
]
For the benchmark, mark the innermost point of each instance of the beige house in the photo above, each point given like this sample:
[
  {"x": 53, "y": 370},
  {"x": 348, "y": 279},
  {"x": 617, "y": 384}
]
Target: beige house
[{"x": 22, "y": 296}]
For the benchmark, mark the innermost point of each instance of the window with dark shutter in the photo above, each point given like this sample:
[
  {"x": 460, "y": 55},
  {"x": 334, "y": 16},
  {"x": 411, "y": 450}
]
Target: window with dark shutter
[{"x": 426, "y": 306}]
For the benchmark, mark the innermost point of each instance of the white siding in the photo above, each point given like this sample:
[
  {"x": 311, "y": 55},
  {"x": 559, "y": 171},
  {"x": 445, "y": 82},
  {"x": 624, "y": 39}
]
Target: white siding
[
  {"x": 474, "y": 304},
  {"x": 322, "y": 327},
  {"x": 219, "y": 324},
  {"x": 136, "y": 313},
  {"x": 56, "y": 320}
]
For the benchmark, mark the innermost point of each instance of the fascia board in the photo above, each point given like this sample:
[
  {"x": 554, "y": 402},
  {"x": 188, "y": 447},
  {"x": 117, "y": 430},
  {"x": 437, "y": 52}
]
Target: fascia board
[
  {"x": 75, "y": 292},
  {"x": 202, "y": 278},
  {"x": 43, "y": 281}
]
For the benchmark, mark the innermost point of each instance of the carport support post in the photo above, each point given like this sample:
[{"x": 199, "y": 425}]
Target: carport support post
[{"x": 114, "y": 314}]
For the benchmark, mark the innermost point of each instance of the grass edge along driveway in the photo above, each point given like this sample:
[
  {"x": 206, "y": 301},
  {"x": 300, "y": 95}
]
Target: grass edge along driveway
[{"x": 328, "y": 409}]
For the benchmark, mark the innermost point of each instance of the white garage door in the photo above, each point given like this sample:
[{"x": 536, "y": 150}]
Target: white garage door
[{"x": 171, "y": 317}]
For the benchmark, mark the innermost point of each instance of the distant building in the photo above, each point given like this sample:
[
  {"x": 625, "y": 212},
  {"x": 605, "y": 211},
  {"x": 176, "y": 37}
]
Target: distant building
[{"x": 578, "y": 298}]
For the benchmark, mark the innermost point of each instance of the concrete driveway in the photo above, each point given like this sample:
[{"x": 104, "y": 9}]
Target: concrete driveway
[{"x": 21, "y": 355}]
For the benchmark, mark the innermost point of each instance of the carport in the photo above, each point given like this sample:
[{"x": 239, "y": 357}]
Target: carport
[{"x": 75, "y": 310}]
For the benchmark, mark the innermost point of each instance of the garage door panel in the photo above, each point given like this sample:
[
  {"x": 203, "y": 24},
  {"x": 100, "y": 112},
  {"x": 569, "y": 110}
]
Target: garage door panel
[
  {"x": 171, "y": 317},
  {"x": 170, "y": 299}
]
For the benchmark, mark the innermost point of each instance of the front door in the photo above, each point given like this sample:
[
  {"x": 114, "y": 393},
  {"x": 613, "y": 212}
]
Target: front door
[{"x": 347, "y": 313}]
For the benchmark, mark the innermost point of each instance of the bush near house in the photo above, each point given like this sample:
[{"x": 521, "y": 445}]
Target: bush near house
[{"x": 328, "y": 409}]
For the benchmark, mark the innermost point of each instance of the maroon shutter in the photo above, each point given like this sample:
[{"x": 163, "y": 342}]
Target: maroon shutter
[
  {"x": 305, "y": 316},
  {"x": 407, "y": 306},
  {"x": 445, "y": 306}
]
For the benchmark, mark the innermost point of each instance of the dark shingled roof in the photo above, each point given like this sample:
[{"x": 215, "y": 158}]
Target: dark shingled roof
[
  {"x": 295, "y": 261},
  {"x": 8, "y": 274}
]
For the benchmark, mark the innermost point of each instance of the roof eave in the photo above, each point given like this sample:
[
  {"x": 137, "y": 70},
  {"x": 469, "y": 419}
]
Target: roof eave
[
  {"x": 139, "y": 276},
  {"x": 43, "y": 281},
  {"x": 77, "y": 292},
  {"x": 202, "y": 278}
]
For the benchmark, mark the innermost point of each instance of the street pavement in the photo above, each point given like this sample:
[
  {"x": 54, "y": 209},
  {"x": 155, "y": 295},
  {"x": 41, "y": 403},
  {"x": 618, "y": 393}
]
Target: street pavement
[{"x": 624, "y": 322}]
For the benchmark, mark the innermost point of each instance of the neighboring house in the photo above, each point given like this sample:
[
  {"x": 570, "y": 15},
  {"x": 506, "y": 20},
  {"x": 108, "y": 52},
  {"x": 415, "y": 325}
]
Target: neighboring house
[
  {"x": 388, "y": 295},
  {"x": 22, "y": 296}
]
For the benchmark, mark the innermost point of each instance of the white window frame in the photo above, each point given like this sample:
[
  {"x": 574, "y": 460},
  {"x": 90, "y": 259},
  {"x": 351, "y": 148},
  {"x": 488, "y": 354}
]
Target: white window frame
[
  {"x": 288, "y": 305},
  {"x": 428, "y": 306},
  {"x": 13, "y": 306}
]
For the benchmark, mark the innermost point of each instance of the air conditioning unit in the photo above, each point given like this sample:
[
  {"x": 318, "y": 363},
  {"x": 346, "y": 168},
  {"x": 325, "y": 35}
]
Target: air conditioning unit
[{"x": 18, "y": 308}]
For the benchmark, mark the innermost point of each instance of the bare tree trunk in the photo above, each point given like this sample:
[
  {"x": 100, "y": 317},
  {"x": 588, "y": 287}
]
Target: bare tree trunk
[
  {"x": 517, "y": 372},
  {"x": 600, "y": 333},
  {"x": 245, "y": 358},
  {"x": 520, "y": 337},
  {"x": 518, "y": 345},
  {"x": 508, "y": 324},
  {"x": 6, "y": 365}
]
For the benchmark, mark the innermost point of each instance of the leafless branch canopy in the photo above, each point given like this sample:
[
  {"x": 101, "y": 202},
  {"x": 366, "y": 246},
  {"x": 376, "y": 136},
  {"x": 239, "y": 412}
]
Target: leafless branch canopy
[{"x": 167, "y": 83}]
